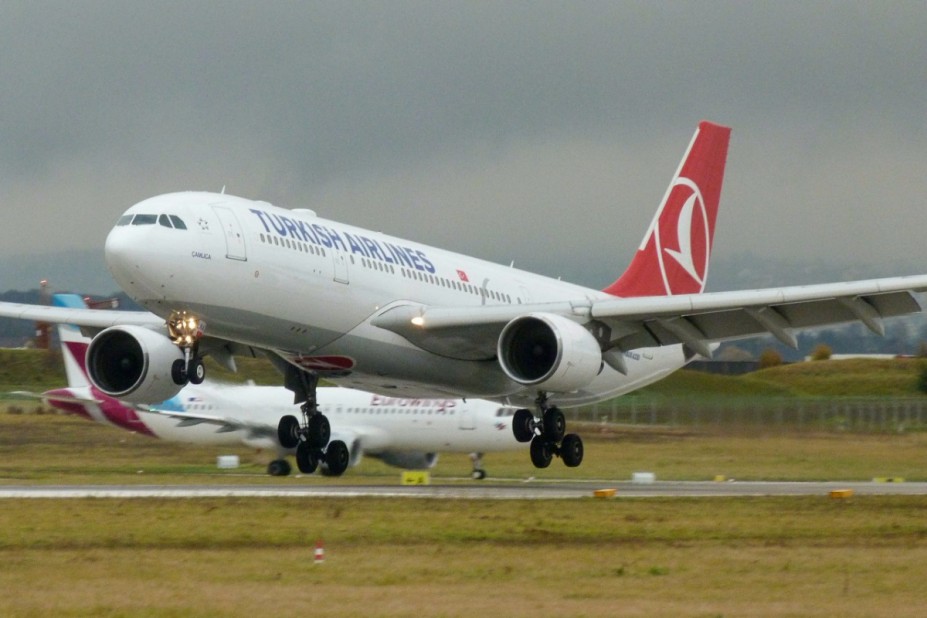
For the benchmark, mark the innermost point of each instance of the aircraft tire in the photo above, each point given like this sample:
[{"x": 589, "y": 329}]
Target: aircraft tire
[
  {"x": 306, "y": 460},
  {"x": 541, "y": 452},
  {"x": 571, "y": 450},
  {"x": 523, "y": 425},
  {"x": 178, "y": 374},
  {"x": 288, "y": 431},
  {"x": 197, "y": 371},
  {"x": 320, "y": 431},
  {"x": 337, "y": 457},
  {"x": 279, "y": 467},
  {"x": 478, "y": 475},
  {"x": 554, "y": 424}
]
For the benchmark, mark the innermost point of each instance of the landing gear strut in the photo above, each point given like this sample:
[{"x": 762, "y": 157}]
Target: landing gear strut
[
  {"x": 311, "y": 437},
  {"x": 547, "y": 435},
  {"x": 190, "y": 369},
  {"x": 478, "y": 473},
  {"x": 186, "y": 331}
]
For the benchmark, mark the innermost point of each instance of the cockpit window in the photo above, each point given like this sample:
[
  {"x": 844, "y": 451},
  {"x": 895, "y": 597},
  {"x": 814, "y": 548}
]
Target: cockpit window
[
  {"x": 164, "y": 221},
  {"x": 145, "y": 220},
  {"x": 178, "y": 222},
  {"x": 124, "y": 220}
]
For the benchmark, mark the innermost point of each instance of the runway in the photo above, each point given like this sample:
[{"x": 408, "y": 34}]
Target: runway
[{"x": 514, "y": 490}]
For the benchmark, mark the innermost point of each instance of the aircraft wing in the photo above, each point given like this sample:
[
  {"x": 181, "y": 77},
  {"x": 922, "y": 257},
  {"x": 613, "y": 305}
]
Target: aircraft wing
[
  {"x": 354, "y": 436},
  {"x": 692, "y": 319},
  {"x": 53, "y": 396},
  {"x": 91, "y": 321},
  {"x": 90, "y": 318},
  {"x": 224, "y": 424}
]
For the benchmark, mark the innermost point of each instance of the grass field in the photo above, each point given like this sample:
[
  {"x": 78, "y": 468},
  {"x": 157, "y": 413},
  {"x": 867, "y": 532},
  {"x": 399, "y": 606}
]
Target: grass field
[
  {"x": 405, "y": 557},
  {"x": 52, "y": 449},
  {"x": 621, "y": 557},
  {"x": 807, "y": 556}
]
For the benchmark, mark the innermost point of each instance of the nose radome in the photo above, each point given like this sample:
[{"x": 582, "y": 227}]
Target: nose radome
[{"x": 117, "y": 246}]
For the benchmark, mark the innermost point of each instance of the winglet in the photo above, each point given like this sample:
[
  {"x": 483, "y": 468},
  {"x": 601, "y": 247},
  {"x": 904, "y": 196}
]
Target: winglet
[{"x": 673, "y": 257}]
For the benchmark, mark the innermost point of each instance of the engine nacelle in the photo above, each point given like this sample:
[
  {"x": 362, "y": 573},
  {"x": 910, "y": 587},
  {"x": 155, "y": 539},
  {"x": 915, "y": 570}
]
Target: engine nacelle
[
  {"x": 550, "y": 352},
  {"x": 409, "y": 461},
  {"x": 133, "y": 363}
]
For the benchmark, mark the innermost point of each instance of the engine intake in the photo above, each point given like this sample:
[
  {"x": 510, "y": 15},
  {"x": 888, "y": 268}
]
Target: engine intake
[
  {"x": 549, "y": 351},
  {"x": 133, "y": 364}
]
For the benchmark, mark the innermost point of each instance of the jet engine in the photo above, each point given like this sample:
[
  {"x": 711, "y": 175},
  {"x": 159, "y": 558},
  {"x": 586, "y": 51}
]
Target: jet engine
[
  {"x": 409, "y": 461},
  {"x": 133, "y": 364},
  {"x": 550, "y": 352}
]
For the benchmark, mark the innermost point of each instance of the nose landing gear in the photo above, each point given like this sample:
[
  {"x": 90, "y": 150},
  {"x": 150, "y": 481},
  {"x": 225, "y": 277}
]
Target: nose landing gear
[
  {"x": 478, "y": 473},
  {"x": 186, "y": 330},
  {"x": 547, "y": 435}
]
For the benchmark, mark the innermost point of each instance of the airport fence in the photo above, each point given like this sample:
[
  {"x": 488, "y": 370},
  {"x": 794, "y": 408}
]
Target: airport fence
[{"x": 827, "y": 414}]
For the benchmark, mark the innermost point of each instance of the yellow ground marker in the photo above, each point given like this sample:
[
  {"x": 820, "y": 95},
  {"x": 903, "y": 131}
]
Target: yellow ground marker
[
  {"x": 605, "y": 493},
  {"x": 416, "y": 477},
  {"x": 841, "y": 494}
]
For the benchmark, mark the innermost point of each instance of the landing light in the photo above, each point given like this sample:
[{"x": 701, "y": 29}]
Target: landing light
[
  {"x": 185, "y": 329},
  {"x": 418, "y": 321}
]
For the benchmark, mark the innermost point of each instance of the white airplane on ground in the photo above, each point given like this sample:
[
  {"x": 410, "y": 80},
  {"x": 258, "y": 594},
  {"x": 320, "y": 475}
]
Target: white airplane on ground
[
  {"x": 406, "y": 433},
  {"x": 228, "y": 276}
]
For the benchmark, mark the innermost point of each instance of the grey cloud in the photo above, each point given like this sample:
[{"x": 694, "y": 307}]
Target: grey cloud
[{"x": 521, "y": 123}]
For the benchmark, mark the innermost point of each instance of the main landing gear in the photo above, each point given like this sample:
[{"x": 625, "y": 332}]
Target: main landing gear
[
  {"x": 546, "y": 435},
  {"x": 312, "y": 438}
]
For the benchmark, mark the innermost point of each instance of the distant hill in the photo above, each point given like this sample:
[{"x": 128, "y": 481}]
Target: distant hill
[
  {"x": 832, "y": 378},
  {"x": 747, "y": 271}
]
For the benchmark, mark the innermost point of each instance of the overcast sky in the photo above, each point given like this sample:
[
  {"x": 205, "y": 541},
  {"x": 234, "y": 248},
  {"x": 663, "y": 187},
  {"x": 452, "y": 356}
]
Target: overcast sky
[{"x": 544, "y": 132}]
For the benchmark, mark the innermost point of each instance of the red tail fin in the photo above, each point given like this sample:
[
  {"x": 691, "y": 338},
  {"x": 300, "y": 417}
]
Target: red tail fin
[{"x": 673, "y": 258}]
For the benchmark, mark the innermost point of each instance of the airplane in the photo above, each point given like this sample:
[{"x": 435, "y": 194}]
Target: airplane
[
  {"x": 406, "y": 433},
  {"x": 223, "y": 276}
]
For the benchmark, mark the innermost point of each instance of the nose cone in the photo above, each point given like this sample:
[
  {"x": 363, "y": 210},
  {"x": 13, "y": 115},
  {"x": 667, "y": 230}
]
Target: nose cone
[
  {"x": 131, "y": 251},
  {"x": 149, "y": 250},
  {"x": 119, "y": 255}
]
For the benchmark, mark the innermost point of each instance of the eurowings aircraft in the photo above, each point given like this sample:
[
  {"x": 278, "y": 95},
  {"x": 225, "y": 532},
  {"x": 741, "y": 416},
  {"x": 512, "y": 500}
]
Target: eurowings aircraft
[
  {"x": 406, "y": 433},
  {"x": 228, "y": 276}
]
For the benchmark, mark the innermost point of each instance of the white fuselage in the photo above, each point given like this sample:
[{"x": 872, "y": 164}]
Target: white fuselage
[
  {"x": 306, "y": 288},
  {"x": 374, "y": 423}
]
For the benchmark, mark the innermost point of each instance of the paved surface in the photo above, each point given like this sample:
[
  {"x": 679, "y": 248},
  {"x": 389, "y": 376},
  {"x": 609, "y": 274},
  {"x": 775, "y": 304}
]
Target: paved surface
[{"x": 514, "y": 490}]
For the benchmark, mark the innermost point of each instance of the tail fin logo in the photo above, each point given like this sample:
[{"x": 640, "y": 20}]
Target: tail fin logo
[
  {"x": 683, "y": 234},
  {"x": 673, "y": 257}
]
